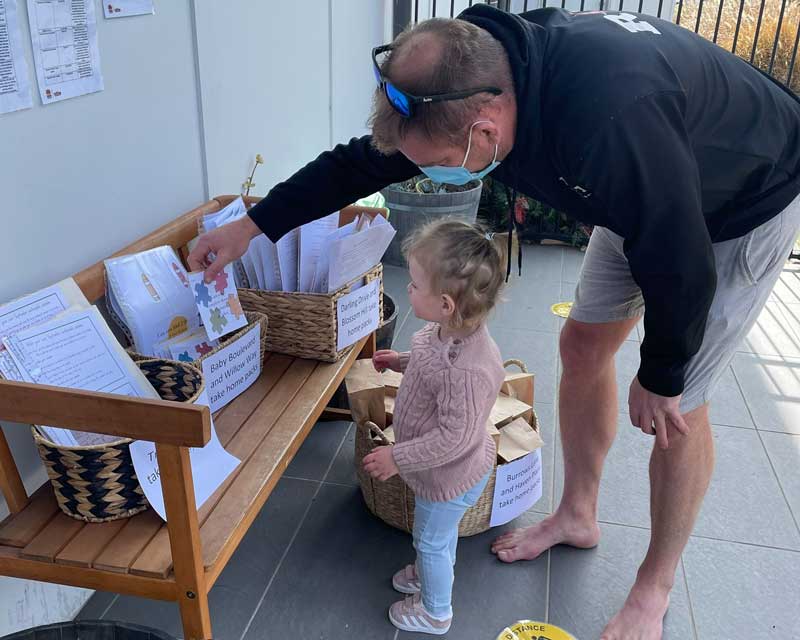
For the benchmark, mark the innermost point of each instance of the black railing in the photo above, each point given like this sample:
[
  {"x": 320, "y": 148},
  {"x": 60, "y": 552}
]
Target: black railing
[{"x": 766, "y": 33}]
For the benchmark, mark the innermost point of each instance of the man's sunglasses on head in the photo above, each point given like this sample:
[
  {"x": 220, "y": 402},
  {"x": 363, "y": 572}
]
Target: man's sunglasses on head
[{"x": 404, "y": 103}]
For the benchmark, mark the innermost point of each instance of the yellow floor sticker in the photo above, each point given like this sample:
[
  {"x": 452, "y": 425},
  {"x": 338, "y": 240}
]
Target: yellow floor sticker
[
  {"x": 532, "y": 630},
  {"x": 561, "y": 309}
]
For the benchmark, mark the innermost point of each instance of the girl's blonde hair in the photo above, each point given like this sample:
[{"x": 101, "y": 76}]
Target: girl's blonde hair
[{"x": 464, "y": 262}]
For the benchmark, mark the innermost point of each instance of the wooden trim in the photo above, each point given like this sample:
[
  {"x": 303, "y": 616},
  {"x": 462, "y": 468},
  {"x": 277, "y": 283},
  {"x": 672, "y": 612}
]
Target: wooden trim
[
  {"x": 184, "y": 540},
  {"x": 13, "y": 565},
  {"x": 161, "y": 421},
  {"x": 10, "y": 482},
  {"x": 176, "y": 233}
]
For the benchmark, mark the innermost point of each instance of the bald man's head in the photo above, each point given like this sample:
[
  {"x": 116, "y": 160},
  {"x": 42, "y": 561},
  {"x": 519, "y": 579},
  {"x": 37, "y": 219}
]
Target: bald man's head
[{"x": 439, "y": 56}]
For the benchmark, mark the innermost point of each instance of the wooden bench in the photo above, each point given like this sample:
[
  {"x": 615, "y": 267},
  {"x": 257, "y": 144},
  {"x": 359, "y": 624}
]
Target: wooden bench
[{"x": 179, "y": 561}]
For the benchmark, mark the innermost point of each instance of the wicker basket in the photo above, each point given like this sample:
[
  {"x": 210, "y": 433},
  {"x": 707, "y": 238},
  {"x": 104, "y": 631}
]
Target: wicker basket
[
  {"x": 253, "y": 317},
  {"x": 304, "y": 324},
  {"x": 98, "y": 483},
  {"x": 393, "y": 502}
]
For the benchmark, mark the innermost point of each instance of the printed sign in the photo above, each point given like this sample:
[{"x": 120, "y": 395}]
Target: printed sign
[
  {"x": 233, "y": 369},
  {"x": 517, "y": 488},
  {"x": 358, "y": 314}
]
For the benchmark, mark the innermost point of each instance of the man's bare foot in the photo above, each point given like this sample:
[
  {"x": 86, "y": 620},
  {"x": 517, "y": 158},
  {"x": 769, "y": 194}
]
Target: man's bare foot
[
  {"x": 530, "y": 542},
  {"x": 641, "y": 617}
]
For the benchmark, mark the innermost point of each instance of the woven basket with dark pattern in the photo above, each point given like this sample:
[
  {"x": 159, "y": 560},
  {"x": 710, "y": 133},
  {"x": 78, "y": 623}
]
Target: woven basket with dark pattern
[{"x": 98, "y": 483}]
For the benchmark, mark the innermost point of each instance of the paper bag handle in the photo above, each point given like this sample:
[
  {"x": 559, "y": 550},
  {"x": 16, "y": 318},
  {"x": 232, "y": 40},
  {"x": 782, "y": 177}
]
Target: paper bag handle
[
  {"x": 518, "y": 363},
  {"x": 374, "y": 430}
]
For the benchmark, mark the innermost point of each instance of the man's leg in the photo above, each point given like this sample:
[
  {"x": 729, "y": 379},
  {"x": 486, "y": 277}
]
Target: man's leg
[
  {"x": 679, "y": 478},
  {"x": 588, "y": 417}
]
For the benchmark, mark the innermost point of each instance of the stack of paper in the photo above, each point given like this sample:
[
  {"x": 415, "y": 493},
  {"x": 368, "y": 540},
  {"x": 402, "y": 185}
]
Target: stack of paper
[
  {"x": 150, "y": 292},
  {"x": 45, "y": 341},
  {"x": 318, "y": 257}
]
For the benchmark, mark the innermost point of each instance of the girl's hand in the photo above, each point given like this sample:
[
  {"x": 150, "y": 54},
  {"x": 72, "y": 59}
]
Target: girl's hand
[
  {"x": 380, "y": 464},
  {"x": 386, "y": 359}
]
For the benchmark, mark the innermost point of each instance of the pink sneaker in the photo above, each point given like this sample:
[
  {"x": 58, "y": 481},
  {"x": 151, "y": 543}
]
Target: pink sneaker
[
  {"x": 406, "y": 580},
  {"x": 410, "y": 615}
]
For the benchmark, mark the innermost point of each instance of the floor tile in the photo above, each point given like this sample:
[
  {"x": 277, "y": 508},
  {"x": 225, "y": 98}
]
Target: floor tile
[
  {"x": 395, "y": 283},
  {"x": 784, "y": 452},
  {"x": 343, "y": 470},
  {"x": 740, "y": 591},
  {"x": 546, "y": 414},
  {"x": 97, "y": 606},
  {"x": 744, "y": 502},
  {"x": 627, "y": 363},
  {"x": 775, "y": 332},
  {"x": 743, "y": 483},
  {"x": 542, "y": 261},
  {"x": 526, "y": 305},
  {"x": 236, "y": 594},
  {"x": 587, "y": 587},
  {"x": 771, "y": 387},
  {"x": 538, "y": 350},
  {"x": 573, "y": 261},
  {"x": 728, "y": 406},
  {"x": 316, "y": 453},
  {"x": 787, "y": 289},
  {"x": 488, "y": 595},
  {"x": 336, "y": 580},
  {"x": 402, "y": 337}
]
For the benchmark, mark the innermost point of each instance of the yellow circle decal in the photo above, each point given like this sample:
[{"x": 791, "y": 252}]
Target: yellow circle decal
[
  {"x": 561, "y": 309},
  {"x": 532, "y": 630}
]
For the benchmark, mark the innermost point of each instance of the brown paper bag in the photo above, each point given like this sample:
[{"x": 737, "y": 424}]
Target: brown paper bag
[
  {"x": 519, "y": 386},
  {"x": 388, "y": 402},
  {"x": 494, "y": 432},
  {"x": 391, "y": 380},
  {"x": 517, "y": 439},
  {"x": 365, "y": 392},
  {"x": 505, "y": 409}
]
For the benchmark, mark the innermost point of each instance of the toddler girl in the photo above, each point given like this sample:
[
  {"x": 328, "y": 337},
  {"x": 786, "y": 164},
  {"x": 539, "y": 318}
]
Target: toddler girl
[{"x": 453, "y": 374}]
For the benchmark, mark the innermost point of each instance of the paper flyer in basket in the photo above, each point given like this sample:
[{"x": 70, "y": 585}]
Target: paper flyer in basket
[
  {"x": 517, "y": 488},
  {"x": 231, "y": 370},
  {"x": 218, "y": 303},
  {"x": 211, "y": 466}
]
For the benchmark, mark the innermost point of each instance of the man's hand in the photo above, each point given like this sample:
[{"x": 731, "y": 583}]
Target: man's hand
[
  {"x": 221, "y": 246},
  {"x": 653, "y": 413},
  {"x": 380, "y": 464},
  {"x": 386, "y": 359}
]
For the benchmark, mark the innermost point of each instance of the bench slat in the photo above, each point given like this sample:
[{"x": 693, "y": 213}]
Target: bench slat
[
  {"x": 19, "y": 530},
  {"x": 126, "y": 547},
  {"x": 91, "y": 542},
  {"x": 234, "y": 513},
  {"x": 53, "y": 538},
  {"x": 281, "y": 386}
]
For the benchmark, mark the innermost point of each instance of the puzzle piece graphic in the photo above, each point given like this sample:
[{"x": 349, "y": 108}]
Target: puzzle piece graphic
[
  {"x": 185, "y": 357},
  {"x": 202, "y": 349},
  {"x": 218, "y": 321},
  {"x": 201, "y": 294},
  {"x": 235, "y": 306},
  {"x": 221, "y": 282}
]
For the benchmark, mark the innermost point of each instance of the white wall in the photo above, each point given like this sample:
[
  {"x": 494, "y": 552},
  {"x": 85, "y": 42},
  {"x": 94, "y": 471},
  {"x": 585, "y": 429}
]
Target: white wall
[{"x": 191, "y": 95}]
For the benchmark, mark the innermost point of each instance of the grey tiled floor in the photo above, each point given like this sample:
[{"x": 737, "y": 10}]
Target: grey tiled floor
[{"x": 316, "y": 565}]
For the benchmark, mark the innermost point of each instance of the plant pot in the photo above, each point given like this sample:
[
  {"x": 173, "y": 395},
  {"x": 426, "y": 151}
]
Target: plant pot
[
  {"x": 410, "y": 210},
  {"x": 383, "y": 340}
]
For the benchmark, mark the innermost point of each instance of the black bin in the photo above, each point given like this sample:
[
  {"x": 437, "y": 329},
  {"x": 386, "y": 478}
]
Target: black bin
[{"x": 90, "y": 630}]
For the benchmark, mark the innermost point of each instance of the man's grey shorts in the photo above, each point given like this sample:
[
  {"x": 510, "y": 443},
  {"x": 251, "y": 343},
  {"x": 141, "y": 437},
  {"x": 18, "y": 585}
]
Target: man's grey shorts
[{"x": 747, "y": 270}]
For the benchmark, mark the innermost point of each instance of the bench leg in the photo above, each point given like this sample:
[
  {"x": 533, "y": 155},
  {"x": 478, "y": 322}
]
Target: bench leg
[{"x": 184, "y": 540}]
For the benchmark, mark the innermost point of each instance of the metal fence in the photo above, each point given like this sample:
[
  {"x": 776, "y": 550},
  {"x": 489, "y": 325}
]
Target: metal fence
[{"x": 766, "y": 33}]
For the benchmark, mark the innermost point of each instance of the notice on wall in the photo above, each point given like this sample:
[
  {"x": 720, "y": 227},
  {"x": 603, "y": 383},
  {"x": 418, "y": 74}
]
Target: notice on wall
[
  {"x": 125, "y": 8},
  {"x": 517, "y": 488},
  {"x": 211, "y": 466},
  {"x": 231, "y": 370},
  {"x": 15, "y": 87},
  {"x": 64, "y": 38},
  {"x": 358, "y": 314}
]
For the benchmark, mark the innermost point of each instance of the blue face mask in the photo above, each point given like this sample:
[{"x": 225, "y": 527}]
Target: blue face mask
[{"x": 460, "y": 175}]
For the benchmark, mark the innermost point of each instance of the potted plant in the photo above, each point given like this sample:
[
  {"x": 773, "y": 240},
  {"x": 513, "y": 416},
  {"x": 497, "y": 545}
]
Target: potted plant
[{"x": 419, "y": 200}]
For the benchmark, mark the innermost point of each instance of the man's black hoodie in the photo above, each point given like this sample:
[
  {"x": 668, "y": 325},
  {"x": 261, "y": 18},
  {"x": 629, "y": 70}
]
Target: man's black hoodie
[{"x": 623, "y": 121}]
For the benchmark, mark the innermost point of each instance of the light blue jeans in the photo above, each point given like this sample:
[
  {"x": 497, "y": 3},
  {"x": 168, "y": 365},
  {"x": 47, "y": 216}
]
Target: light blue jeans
[{"x": 435, "y": 539}]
